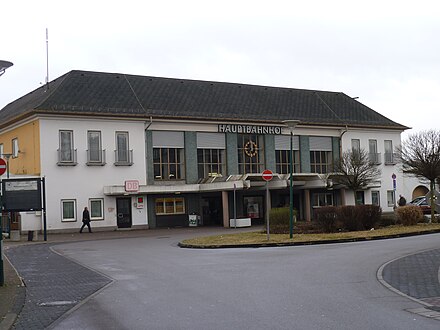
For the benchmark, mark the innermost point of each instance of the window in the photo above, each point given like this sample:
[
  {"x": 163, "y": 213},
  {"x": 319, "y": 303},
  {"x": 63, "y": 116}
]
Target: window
[
  {"x": 375, "y": 197},
  {"x": 322, "y": 199},
  {"x": 168, "y": 163},
  {"x": 15, "y": 149},
  {"x": 389, "y": 156},
  {"x": 321, "y": 162},
  {"x": 68, "y": 210},
  {"x": 95, "y": 154},
  {"x": 96, "y": 208},
  {"x": 282, "y": 159},
  {"x": 1, "y": 150},
  {"x": 168, "y": 206},
  {"x": 356, "y": 144},
  {"x": 66, "y": 153},
  {"x": 210, "y": 162},
  {"x": 390, "y": 198},
  {"x": 360, "y": 198},
  {"x": 372, "y": 152},
  {"x": 123, "y": 156},
  {"x": 250, "y": 153}
]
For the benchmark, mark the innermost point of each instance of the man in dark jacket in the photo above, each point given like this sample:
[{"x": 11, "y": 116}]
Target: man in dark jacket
[{"x": 86, "y": 220}]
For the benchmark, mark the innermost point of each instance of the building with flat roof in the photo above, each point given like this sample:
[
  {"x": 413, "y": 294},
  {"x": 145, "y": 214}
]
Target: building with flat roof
[{"x": 146, "y": 152}]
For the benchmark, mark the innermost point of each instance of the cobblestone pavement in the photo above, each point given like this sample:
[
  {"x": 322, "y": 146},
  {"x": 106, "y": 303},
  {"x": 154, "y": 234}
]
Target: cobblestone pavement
[
  {"x": 417, "y": 276},
  {"x": 54, "y": 284}
]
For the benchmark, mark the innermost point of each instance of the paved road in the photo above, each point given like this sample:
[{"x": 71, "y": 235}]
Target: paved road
[
  {"x": 157, "y": 285},
  {"x": 160, "y": 286}
]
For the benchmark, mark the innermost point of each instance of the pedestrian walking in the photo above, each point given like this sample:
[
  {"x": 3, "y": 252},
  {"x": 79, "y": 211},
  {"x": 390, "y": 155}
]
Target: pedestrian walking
[
  {"x": 402, "y": 201},
  {"x": 86, "y": 220}
]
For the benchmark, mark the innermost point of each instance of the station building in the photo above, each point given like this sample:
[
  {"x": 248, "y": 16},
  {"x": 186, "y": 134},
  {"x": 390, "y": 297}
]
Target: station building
[{"x": 147, "y": 152}]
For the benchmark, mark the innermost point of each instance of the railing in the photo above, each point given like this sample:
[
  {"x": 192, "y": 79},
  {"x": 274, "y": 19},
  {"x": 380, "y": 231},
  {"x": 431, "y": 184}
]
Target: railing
[
  {"x": 66, "y": 157},
  {"x": 96, "y": 157},
  {"x": 374, "y": 158},
  {"x": 123, "y": 157},
  {"x": 391, "y": 158}
]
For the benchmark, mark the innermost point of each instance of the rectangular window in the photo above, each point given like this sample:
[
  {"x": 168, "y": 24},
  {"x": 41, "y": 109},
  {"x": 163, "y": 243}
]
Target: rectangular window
[
  {"x": 96, "y": 206},
  {"x": 389, "y": 155},
  {"x": 15, "y": 148},
  {"x": 66, "y": 152},
  {"x": 360, "y": 198},
  {"x": 372, "y": 152},
  {"x": 321, "y": 162},
  {"x": 169, "y": 206},
  {"x": 282, "y": 159},
  {"x": 94, "y": 154},
  {"x": 390, "y": 197},
  {"x": 250, "y": 153},
  {"x": 211, "y": 162},
  {"x": 123, "y": 155},
  {"x": 375, "y": 197},
  {"x": 168, "y": 163},
  {"x": 356, "y": 144},
  {"x": 68, "y": 210},
  {"x": 322, "y": 199}
]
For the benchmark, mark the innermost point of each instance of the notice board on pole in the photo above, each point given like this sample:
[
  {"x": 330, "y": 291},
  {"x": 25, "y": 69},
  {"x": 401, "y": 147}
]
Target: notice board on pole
[{"x": 22, "y": 194}]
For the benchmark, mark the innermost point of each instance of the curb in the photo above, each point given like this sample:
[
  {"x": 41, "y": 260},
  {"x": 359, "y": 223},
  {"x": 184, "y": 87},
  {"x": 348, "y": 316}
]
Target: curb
[
  {"x": 320, "y": 242},
  {"x": 426, "y": 310}
]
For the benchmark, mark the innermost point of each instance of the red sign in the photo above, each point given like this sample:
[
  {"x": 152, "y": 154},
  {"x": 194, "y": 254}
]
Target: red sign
[
  {"x": 132, "y": 185},
  {"x": 267, "y": 175},
  {"x": 2, "y": 166}
]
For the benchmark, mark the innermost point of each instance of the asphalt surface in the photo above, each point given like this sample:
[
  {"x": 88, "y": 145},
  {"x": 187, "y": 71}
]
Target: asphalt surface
[{"x": 57, "y": 287}]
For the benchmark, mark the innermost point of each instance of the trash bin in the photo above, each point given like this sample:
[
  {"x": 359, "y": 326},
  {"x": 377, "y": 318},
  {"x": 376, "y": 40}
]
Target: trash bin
[{"x": 192, "y": 220}]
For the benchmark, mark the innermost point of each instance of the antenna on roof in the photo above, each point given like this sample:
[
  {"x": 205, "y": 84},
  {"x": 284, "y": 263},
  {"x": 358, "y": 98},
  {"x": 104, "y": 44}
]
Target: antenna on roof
[{"x": 47, "y": 59}]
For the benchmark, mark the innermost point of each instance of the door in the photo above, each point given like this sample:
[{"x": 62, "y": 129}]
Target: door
[{"x": 123, "y": 211}]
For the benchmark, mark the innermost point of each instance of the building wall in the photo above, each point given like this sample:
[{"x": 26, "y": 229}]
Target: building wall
[
  {"x": 82, "y": 182},
  {"x": 28, "y": 136},
  {"x": 385, "y": 182}
]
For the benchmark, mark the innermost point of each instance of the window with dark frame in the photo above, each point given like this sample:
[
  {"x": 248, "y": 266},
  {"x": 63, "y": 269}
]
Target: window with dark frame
[
  {"x": 250, "y": 153},
  {"x": 282, "y": 159},
  {"x": 321, "y": 162},
  {"x": 170, "y": 205},
  {"x": 210, "y": 162},
  {"x": 168, "y": 163}
]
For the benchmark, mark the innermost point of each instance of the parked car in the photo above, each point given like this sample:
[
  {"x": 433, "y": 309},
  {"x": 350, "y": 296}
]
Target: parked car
[{"x": 422, "y": 202}]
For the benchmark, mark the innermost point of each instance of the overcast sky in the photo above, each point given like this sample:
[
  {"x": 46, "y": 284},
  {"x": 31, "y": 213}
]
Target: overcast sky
[{"x": 385, "y": 52}]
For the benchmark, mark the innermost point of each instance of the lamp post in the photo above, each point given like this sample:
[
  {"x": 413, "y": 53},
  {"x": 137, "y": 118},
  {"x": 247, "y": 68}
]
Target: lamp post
[
  {"x": 291, "y": 124},
  {"x": 3, "y": 66}
]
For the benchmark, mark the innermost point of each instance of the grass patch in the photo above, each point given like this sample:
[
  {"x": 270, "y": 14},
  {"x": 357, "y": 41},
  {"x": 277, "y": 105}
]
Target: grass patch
[{"x": 261, "y": 237}]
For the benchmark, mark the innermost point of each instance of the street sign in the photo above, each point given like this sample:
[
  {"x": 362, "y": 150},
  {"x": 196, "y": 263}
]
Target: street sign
[
  {"x": 267, "y": 175},
  {"x": 2, "y": 166}
]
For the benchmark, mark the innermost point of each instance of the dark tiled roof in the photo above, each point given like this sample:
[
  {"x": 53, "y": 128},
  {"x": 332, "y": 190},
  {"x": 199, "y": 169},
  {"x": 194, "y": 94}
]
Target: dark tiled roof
[{"x": 96, "y": 93}]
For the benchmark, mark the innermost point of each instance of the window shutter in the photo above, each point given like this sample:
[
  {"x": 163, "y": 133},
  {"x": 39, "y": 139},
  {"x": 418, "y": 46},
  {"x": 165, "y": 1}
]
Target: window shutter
[{"x": 211, "y": 141}]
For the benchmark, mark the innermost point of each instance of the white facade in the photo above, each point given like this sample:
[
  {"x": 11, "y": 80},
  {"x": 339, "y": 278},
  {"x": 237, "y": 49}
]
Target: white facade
[{"x": 82, "y": 182}]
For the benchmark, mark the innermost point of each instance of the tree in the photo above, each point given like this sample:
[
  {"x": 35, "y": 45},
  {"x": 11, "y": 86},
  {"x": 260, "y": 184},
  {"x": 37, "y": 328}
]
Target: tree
[
  {"x": 420, "y": 157},
  {"x": 356, "y": 170}
]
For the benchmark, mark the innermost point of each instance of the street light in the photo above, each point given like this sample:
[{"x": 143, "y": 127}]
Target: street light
[
  {"x": 291, "y": 124},
  {"x": 3, "y": 66}
]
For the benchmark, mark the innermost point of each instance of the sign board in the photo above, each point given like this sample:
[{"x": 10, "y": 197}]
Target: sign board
[
  {"x": 267, "y": 175},
  {"x": 3, "y": 166},
  {"x": 22, "y": 194},
  {"x": 132, "y": 185}
]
